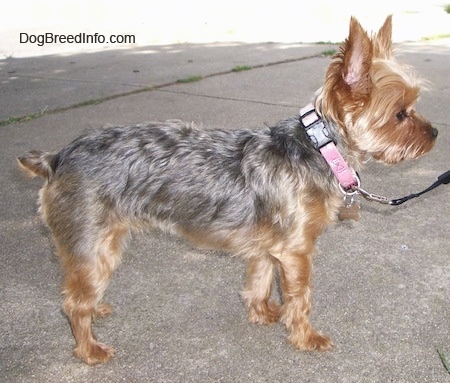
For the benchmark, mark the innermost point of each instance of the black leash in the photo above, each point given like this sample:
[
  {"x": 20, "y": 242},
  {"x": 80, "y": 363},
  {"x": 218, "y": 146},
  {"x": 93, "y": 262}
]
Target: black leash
[
  {"x": 349, "y": 194},
  {"x": 350, "y": 209},
  {"x": 442, "y": 179}
]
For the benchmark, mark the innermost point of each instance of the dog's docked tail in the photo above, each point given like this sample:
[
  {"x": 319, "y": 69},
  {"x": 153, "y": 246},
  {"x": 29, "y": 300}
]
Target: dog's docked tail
[{"x": 37, "y": 163}]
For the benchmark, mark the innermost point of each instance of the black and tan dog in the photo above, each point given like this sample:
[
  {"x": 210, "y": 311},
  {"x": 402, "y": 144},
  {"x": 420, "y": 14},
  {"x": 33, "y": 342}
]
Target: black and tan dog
[{"x": 265, "y": 194}]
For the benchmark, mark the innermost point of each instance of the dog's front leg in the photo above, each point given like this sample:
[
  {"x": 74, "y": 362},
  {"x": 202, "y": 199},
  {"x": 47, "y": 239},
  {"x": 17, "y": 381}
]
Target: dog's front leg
[
  {"x": 260, "y": 275},
  {"x": 295, "y": 272}
]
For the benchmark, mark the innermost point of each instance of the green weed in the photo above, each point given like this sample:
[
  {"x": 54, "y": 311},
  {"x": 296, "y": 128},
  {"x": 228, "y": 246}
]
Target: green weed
[
  {"x": 241, "y": 68},
  {"x": 189, "y": 79},
  {"x": 444, "y": 360}
]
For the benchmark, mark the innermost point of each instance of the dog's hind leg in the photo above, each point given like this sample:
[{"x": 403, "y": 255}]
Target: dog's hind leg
[{"x": 86, "y": 279}]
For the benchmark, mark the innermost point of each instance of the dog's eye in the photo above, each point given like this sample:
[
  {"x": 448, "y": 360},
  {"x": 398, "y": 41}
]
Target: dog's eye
[{"x": 401, "y": 115}]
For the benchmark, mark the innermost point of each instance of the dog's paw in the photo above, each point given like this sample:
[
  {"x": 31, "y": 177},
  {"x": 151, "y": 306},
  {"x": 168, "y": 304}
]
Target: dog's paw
[
  {"x": 94, "y": 353},
  {"x": 311, "y": 341},
  {"x": 266, "y": 313}
]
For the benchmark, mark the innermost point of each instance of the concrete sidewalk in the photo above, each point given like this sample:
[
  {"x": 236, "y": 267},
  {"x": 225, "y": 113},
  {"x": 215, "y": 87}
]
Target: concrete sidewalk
[{"x": 381, "y": 285}]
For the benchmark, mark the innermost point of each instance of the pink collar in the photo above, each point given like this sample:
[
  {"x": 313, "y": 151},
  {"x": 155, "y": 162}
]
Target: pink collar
[{"x": 317, "y": 130}]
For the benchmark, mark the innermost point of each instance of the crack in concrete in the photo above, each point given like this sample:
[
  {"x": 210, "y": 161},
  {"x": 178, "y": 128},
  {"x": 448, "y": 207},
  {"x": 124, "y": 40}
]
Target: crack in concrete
[
  {"x": 226, "y": 98},
  {"x": 141, "y": 89}
]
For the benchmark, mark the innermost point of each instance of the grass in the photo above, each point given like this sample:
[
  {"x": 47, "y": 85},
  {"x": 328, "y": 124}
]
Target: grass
[
  {"x": 17, "y": 120},
  {"x": 447, "y": 8},
  {"x": 329, "y": 42},
  {"x": 444, "y": 360},
  {"x": 436, "y": 37},
  {"x": 189, "y": 79},
  {"x": 241, "y": 68},
  {"x": 330, "y": 52},
  {"x": 45, "y": 111}
]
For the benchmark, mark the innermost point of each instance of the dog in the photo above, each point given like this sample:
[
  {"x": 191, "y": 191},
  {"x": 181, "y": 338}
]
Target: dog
[{"x": 264, "y": 194}]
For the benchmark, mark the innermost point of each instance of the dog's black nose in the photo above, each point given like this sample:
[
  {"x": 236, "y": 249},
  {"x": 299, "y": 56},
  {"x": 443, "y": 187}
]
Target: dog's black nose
[{"x": 435, "y": 132}]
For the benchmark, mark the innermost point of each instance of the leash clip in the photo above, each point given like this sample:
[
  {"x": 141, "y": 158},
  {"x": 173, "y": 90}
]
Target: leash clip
[
  {"x": 357, "y": 189},
  {"x": 370, "y": 196}
]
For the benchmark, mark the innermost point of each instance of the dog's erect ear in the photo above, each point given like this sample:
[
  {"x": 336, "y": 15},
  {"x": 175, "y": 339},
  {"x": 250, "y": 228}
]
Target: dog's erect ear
[
  {"x": 357, "y": 59},
  {"x": 382, "y": 44}
]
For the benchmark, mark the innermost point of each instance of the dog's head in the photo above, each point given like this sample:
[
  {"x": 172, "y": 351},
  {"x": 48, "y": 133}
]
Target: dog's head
[{"x": 372, "y": 97}]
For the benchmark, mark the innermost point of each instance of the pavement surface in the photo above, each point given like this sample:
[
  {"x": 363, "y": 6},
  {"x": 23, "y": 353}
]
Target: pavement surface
[{"x": 382, "y": 285}]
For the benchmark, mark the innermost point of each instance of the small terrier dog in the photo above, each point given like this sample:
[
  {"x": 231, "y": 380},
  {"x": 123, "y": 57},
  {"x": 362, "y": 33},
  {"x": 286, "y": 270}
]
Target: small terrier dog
[{"x": 265, "y": 194}]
